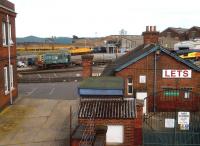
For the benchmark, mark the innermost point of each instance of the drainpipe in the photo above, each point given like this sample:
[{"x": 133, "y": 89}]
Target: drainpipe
[
  {"x": 154, "y": 84},
  {"x": 9, "y": 61}
]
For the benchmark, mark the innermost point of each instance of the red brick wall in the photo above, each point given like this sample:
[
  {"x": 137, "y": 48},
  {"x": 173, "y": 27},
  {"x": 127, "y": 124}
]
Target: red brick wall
[
  {"x": 145, "y": 66},
  {"x": 5, "y": 99},
  {"x": 151, "y": 37},
  {"x": 87, "y": 65}
]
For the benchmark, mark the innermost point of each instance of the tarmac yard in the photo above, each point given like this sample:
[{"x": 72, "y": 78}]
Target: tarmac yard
[{"x": 37, "y": 122}]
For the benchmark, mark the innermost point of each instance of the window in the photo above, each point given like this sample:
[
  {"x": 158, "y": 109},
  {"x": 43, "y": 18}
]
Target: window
[
  {"x": 115, "y": 134},
  {"x": 171, "y": 92},
  {"x": 11, "y": 76},
  {"x": 130, "y": 86},
  {"x": 10, "y": 34},
  {"x": 186, "y": 94},
  {"x": 4, "y": 36},
  {"x": 142, "y": 79},
  {"x": 6, "y": 80}
]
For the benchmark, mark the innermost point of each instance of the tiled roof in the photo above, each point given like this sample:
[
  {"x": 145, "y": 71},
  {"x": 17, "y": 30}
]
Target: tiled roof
[
  {"x": 139, "y": 53},
  {"x": 107, "y": 109}
]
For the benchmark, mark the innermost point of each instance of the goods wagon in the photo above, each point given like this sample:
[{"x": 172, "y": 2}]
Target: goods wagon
[
  {"x": 47, "y": 60},
  {"x": 79, "y": 51}
]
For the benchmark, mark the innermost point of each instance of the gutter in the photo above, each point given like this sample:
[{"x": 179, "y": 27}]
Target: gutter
[{"x": 8, "y": 9}]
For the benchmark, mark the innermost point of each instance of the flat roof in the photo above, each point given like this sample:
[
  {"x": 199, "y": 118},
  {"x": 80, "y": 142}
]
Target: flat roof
[{"x": 102, "y": 83}]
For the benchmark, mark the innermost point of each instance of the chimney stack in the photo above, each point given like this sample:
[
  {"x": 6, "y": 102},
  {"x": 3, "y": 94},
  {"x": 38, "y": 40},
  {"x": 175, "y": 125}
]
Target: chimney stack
[
  {"x": 151, "y": 36},
  {"x": 87, "y": 65}
]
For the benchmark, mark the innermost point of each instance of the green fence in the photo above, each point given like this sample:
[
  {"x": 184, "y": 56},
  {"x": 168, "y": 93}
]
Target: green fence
[{"x": 171, "y": 129}]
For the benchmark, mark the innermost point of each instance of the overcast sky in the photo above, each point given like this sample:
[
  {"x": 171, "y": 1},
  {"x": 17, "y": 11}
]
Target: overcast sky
[{"x": 95, "y": 18}]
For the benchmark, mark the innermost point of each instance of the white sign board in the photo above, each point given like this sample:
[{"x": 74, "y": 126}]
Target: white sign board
[
  {"x": 169, "y": 123},
  {"x": 175, "y": 73},
  {"x": 184, "y": 118},
  {"x": 142, "y": 79}
]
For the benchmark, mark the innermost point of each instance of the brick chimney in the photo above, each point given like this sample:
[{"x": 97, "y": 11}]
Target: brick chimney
[
  {"x": 151, "y": 36},
  {"x": 87, "y": 65}
]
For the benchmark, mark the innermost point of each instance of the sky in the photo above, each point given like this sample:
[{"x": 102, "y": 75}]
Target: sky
[{"x": 97, "y": 18}]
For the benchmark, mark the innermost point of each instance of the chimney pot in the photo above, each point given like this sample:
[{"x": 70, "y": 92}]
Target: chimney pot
[
  {"x": 151, "y": 28},
  {"x": 147, "y": 28},
  {"x": 154, "y": 28}
]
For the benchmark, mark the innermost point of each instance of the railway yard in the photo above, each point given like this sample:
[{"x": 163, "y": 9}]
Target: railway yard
[{"x": 54, "y": 75}]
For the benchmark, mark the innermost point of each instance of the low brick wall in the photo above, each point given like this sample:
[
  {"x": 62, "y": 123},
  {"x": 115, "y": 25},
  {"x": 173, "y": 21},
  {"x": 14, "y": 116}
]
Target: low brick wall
[{"x": 47, "y": 80}]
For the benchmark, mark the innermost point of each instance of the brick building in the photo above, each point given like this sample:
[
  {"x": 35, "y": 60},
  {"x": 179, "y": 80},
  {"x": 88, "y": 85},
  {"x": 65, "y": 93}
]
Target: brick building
[
  {"x": 149, "y": 74},
  {"x": 8, "y": 38},
  {"x": 152, "y": 71},
  {"x": 194, "y": 32},
  {"x": 177, "y": 33},
  {"x": 172, "y": 35}
]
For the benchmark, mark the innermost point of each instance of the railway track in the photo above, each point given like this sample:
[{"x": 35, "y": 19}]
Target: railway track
[
  {"x": 56, "y": 75},
  {"x": 69, "y": 69}
]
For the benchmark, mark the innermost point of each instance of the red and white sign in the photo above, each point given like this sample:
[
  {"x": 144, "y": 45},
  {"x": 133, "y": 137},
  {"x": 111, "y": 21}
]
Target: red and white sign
[{"x": 175, "y": 73}]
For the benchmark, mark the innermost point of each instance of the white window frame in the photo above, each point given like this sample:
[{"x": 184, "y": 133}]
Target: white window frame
[
  {"x": 10, "y": 34},
  {"x": 129, "y": 84},
  {"x": 11, "y": 76},
  {"x": 186, "y": 94},
  {"x": 142, "y": 79},
  {"x": 6, "y": 85},
  {"x": 115, "y": 135},
  {"x": 4, "y": 34}
]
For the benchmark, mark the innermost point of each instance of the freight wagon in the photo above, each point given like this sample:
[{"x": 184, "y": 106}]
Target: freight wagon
[{"x": 53, "y": 59}]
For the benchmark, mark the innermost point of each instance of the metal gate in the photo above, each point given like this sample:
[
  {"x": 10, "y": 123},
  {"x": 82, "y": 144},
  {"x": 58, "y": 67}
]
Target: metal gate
[{"x": 164, "y": 129}]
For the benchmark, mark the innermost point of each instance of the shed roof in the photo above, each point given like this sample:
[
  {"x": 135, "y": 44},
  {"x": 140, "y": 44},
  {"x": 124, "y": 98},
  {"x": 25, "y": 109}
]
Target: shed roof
[
  {"x": 139, "y": 53},
  {"x": 102, "y": 83},
  {"x": 107, "y": 109}
]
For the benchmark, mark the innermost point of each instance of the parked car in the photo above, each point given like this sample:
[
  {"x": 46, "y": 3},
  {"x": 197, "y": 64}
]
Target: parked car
[{"x": 21, "y": 64}]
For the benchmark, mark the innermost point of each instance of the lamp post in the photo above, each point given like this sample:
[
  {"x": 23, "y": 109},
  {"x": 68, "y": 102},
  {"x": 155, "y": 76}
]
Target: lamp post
[{"x": 9, "y": 61}]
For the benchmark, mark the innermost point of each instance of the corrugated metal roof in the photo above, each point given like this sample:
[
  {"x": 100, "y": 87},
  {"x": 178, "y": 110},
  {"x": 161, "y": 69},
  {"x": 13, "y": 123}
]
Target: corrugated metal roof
[{"x": 107, "y": 109}]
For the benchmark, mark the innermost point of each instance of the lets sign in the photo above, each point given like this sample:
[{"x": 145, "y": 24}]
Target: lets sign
[{"x": 174, "y": 73}]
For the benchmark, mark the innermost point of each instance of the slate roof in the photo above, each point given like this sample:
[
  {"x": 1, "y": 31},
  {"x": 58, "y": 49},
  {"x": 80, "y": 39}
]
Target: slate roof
[
  {"x": 109, "y": 70},
  {"x": 139, "y": 53},
  {"x": 179, "y": 30},
  {"x": 107, "y": 109},
  {"x": 197, "y": 27}
]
